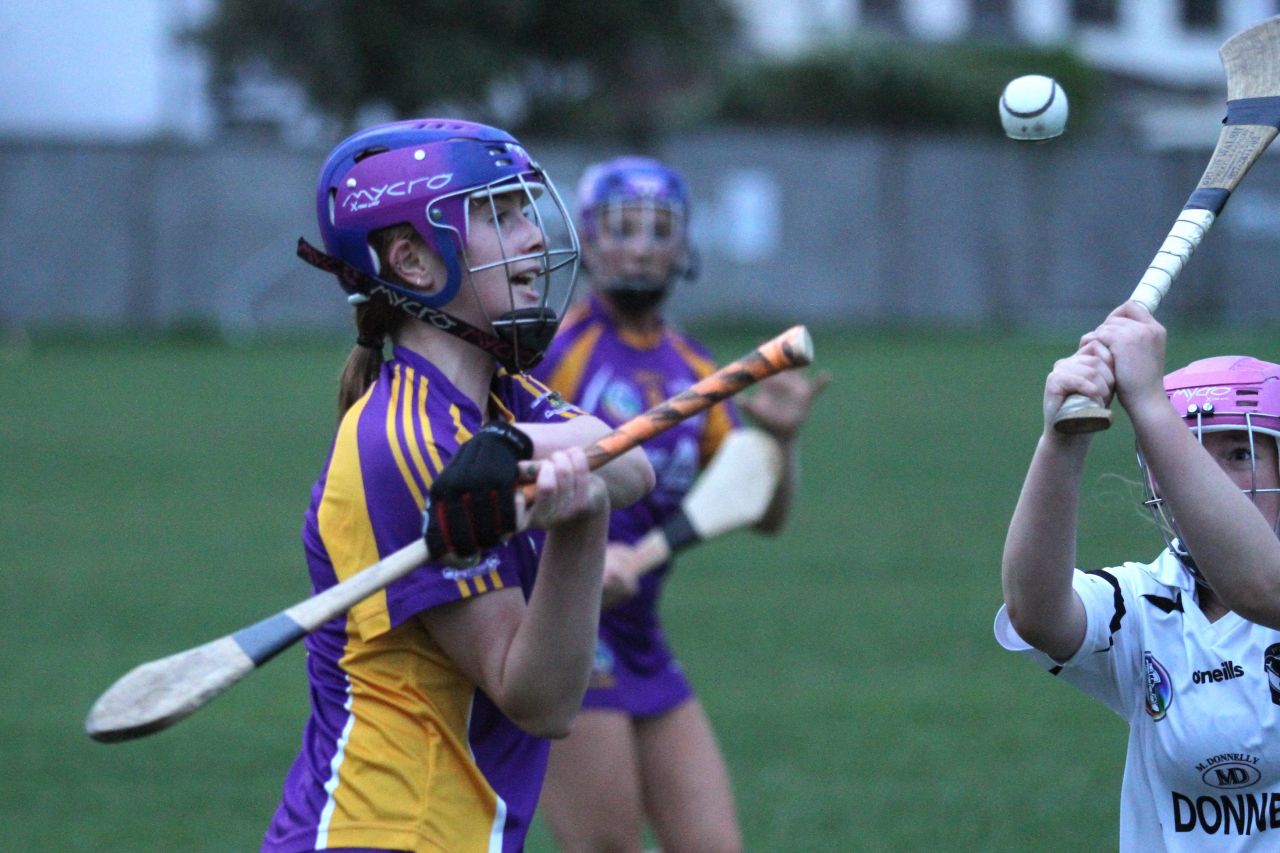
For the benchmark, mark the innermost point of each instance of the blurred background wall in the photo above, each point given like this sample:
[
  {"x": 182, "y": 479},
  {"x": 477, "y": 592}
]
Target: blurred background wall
[{"x": 160, "y": 156}]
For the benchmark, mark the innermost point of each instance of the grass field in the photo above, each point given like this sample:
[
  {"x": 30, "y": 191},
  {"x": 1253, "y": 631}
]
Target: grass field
[{"x": 152, "y": 498}]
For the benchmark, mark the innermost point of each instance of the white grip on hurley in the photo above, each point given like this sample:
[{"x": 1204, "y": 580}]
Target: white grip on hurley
[{"x": 1187, "y": 232}]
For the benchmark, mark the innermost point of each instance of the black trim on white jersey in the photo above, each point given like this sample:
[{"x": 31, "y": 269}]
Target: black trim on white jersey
[
  {"x": 1118, "y": 614},
  {"x": 1168, "y": 605}
]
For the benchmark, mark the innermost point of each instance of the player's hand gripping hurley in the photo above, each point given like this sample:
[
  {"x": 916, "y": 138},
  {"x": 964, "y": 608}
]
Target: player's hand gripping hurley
[
  {"x": 155, "y": 695},
  {"x": 1252, "y": 63}
]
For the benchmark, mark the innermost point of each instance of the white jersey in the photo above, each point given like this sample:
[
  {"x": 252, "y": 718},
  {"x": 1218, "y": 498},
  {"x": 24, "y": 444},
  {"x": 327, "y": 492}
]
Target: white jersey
[{"x": 1202, "y": 770}]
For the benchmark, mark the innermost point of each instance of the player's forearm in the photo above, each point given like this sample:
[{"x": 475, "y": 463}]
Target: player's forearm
[
  {"x": 1229, "y": 539},
  {"x": 628, "y": 478},
  {"x": 1040, "y": 549},
  {"x": 550, "y": 659}
]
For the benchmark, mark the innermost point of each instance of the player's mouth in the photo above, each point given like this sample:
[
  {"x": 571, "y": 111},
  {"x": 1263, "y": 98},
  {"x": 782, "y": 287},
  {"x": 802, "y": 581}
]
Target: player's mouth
[{"x": 526, "y": 277}]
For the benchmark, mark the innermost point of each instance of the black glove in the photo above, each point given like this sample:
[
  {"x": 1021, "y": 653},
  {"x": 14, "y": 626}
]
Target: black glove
[{"x": 472, "y": 504}]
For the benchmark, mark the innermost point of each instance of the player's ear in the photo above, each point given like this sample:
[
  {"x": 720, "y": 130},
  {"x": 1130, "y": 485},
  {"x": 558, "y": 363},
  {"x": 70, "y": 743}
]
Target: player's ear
[{"x": 414, "y": 264}]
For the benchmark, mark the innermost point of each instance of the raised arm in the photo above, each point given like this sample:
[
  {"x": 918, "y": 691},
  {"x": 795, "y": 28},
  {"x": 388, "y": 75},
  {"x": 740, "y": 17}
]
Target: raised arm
[
  {"x": 1040, "y": 548},
  {"x": 1233, "y": 545}
]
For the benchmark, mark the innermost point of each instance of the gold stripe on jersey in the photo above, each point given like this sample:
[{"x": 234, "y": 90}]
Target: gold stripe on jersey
[
  {"x": 533, "y": 386},
  {"x": 398, "y": 398},
  {"x": 408, "y": 755},
  {"x": 407, "y": 423},
  {"x": 496, "y": 405},
  {"x": 427, "y": 433},
  {"x": 344, "y": 524},
  {"x": 538, "y": 391},
  {"x": 567, "y": 377},
  {"x": 718, "y": 423},
  {"x": 460, "y": 433}
]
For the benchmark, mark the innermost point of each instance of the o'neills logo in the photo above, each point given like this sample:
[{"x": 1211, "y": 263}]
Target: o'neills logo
[
  {"x": 1227, "y": 671},
  {"x": 1158, "y": 687}
]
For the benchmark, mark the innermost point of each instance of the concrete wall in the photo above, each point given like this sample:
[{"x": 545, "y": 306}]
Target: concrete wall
[{"x": 803, "y": 227}]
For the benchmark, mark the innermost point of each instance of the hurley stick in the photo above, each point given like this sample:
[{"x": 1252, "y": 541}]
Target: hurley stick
[
  {"x": 1252, "y": 62},
  {"x": 733, "y": 492},
  {"x": 155, "y": 695}
]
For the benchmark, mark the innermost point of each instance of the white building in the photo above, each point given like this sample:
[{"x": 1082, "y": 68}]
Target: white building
[
  {"x": 1166, "y": 41},
  {"x": 1171, "y": 46},
  {"x": 86, "y": 69}
]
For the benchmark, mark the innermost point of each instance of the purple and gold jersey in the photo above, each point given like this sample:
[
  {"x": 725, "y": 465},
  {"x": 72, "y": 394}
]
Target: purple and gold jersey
[
  {"x": 402, "y": 751},
  {"x": 616, "y": 376}
]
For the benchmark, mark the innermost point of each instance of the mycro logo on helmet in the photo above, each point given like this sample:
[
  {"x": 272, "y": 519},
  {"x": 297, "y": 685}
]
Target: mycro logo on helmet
[
  {"x": 372, "y": 197},
  {"x": 647, "y": 185},
  {"x": 1209, "y": 391}
]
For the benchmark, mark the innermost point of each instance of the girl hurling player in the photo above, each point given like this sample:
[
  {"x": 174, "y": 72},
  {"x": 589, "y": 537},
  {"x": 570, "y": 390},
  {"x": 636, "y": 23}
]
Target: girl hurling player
[
  {"x": 431, "y": 701},
  {"x": 642, "y": 746},
  {"x": 1185, "y": 648}
]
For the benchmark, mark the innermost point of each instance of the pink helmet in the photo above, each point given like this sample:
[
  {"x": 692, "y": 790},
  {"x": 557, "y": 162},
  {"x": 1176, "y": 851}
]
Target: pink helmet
[
  {"x": 1220, "y": 394},
  {"x": 1227, "y": 392}
]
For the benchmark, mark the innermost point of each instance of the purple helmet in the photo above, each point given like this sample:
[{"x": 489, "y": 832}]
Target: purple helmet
[
  {"x": 605, "y": 193},
  {"x": 630, "y": 180},
  {"x": 1220, "y": 394},
  {"x": 424, "y": 172}
]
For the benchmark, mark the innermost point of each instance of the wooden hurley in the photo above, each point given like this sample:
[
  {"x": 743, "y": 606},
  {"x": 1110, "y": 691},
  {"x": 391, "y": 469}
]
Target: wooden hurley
[
  {"x": 1252, "y": 62},
  {"x": 155, "y": 695}
]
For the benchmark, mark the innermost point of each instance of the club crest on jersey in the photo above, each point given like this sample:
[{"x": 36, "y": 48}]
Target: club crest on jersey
[
  {"x": 602, "y": 667},
  {"x": 1158, "y": 687},
  {"x": 556, "y": 404},
  {"x": 1271, "y": 665},
  {"x": 620, "y": 402}
]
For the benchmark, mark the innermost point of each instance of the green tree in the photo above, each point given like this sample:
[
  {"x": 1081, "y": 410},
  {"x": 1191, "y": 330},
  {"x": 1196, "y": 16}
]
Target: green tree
[{"x": 603, "y": 66}]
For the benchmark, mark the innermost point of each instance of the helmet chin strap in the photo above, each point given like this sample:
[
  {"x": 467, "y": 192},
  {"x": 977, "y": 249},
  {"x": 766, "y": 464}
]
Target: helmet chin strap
[
  {"x": 635, "y": 295},
  {"x": 528, "y": 331},
  {"x": 520, "y": 337}
]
